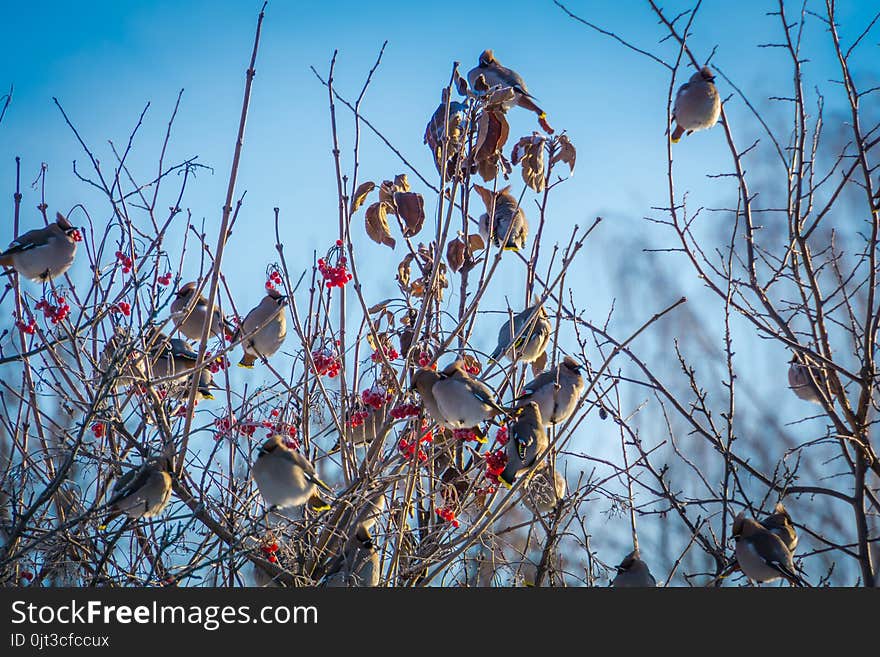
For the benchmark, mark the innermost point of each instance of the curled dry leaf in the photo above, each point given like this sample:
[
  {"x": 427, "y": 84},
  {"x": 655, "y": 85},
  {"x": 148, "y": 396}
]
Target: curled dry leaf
[
  {"x": 403, "y": 274},
  {"x": 411, "y": 209},
  {"x": 360, "y": 195},
  {"x": 382, "y": 305},
  {"x": 493, "y": 130},
  {"x": 401, "y": 184},
  {"x": 529, "y": 152},
  {"x": 566, "y": 152},
  {"x": 377, "y": 225},
  {"x": 475, "y": 242},
  {"x": 455, "y": 253},
  {"x": 539, "y": 364}
]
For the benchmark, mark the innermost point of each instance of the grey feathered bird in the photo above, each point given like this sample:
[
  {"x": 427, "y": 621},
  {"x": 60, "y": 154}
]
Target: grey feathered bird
[
  {"x": 141, "y": 492},
  {"x": 423, "y": 381},
  {"x": 806, "y": 380},
  {"x": 509, "y": 227},
  {"x": 269, "y": 320},
  {"x": 286, "y": 478},
  {"x": 43, "y": 253},
  {"x": 524, "y": 342},
  {"x": 633, "y": 572},
  {"x": 463, "y": 401},
  {"x": 438, "y": 128},
  {"x": 190, "y": 324},
  {"x": 539, "y": 495},
  {"x": 175, "y": 358},
  {"x": 556, "y": 391},
  {"x": 490, "y": 73},
  {"x": 526, "y": 440},
  {"x": 779, "y": 523},
  {"x": 697, "y": 104},
  {"x": 761, "y": 554},
  {"x": 357, "y": 566}
]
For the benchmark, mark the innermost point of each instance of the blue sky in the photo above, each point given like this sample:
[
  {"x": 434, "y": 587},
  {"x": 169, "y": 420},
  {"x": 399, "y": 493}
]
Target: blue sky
[{"x": 105, "y": 60}]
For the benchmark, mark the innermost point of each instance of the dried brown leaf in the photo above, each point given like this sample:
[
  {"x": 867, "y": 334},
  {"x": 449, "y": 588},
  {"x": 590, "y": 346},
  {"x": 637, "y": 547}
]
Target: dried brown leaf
[
  {"x": 566, "y": 153},
  {"x": 539, "y": 364},
  {"x": 403, "y": 273},
  {"x": 529, "y": 153},
  {"x": 475, "y": 242},
  {"x": 386, "y": 192},
  {"x": 377, "y": 225},
  {"x": 360, "y": 195},
  {"x": 401, "y": 184},
  {"x": 455, "y": 253},
  {"x": 382, "y": 305},
  {"x": 410, "y": 208}
]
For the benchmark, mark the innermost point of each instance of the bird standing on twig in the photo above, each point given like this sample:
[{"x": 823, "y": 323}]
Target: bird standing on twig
[
  {"x": 286, "y": 478},
  {"x": 191, "y": 324},
  {"x": 141, "y": 492},
  {"x": 633, "y": 572},
  {"x": 761, "y": 554},
  {"x": 43, "y": 253},
  {"x": 268, "y": 323},
  {"x": 697, "y": 104},
  {"x": 524, "y": 343},
  {"x": 556, "y": 391}
]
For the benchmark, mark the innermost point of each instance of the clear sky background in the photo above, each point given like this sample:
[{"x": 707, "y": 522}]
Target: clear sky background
[{"x": 104, "y": 60}]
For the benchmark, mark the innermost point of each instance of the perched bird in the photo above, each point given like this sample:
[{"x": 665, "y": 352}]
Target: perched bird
[
  {"x": 43, "y": 253},
  {"x": 761, "y": 554},
  {"x": 463, "y": 402},
  {"x": 556, "y": 391},
  {"x": 191, "y": 323},
  {"x": 633, "y": 572},
  {"x": 779, "y": 523},
  {"x": 368, "y": 515},
  {"x": 369, "y": 428},
  {"x": 539, "y": 495},
  {"x": 175, "y": 359},
  {"x": 357, "y": 566},
  {"x": 286, "y": 478},
  {"x": 806, "y": 380},
  {"x": 509, "y": 227},
  {"x": 423, "y": 381},
  {"x": 527, "y": 439},
  {"x": 121, "y": 360},
  {"x": 438, "y": 129},
  {"x": 697, "y": 104},
  {"x": 524, "y": 342},
  {"x": 141, "y": 492},
  {"x": 268, "y": 323},
  {"x": 490, "y": 73}
]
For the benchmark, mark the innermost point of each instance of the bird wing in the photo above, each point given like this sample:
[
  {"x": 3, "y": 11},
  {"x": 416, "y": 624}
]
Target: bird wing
[
  {"x": 27, "y": 241},
  {"x": 539, "y": 381},
  {"x": 482, "y": 392},
  {"x": 771, "y": 548},
  {"x": 129, "y": 483},
  {"x": 308, "y": 469}
]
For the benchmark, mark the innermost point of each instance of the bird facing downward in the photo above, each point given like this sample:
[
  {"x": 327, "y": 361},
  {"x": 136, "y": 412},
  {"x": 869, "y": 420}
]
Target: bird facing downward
[
  {"x": 490, "y": 73},
  {"x": 43, "y": 253},
  {"x": 527, "y": 441},
  {"x": 286, "y": 478},
  {"x": 509, "y": 227},
  {"x": 190, "y": 322},
  {"x": 761, "y": 554},
  {"x": 524, "y": 342},
  {"x": 263, "y": 329},
  {"x": 697, "y": 104}
]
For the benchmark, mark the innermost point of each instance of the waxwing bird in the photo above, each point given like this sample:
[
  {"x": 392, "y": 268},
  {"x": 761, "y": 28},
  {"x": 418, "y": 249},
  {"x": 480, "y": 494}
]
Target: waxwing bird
[
  {"x": 527, "y": 439},
  {"x": 556, "y": 391},
  {"x": 368, "y": 515},
  {"x": 779, "y": 523},
  {"x": 357, "y": 566},
  {"x": 438, "y": 129},
  {"x": 141, "y": 492},
  {"x": 527, "y": 340},
  {"x": 697, "y": 104},
  {"x": 463, "y": 402},
  {"x": 761, "y": 554},
  {"x": 807, "y": 381},
  {"x": 509, "y": 227},
  {"x": 268, "y": 324},
  {"x": 286, "y": 478},
  {"x": 423, "y": 381},
  {"x": 175, "y": 359},
  {"x": 539, "y": 495},
  {"x": 633, "y": 572},
  {"x": 189, "y": 310},
  {"x": 43, "y": 253},
  {"x": 490, "y": 73},
  {"x": 120, "y": 360}
]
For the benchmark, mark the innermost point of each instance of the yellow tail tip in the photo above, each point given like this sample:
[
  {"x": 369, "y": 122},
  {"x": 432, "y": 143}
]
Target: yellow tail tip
[
  {"x": 102, "y": 527},
  {"x": 207, "y": 395},
  {"x": 675, "y": 140},
  {"x": 542, "y": 115},
  {"x": 321, "y": 508},
  {"x": 246, "y": 366},
  {"x": 515, "y": 249},
  {"x": 505, "y": 484}
]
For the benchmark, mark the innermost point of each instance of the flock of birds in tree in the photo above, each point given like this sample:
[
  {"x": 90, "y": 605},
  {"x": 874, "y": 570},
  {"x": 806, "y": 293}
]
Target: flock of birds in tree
[{"x": 453, "y": 398}]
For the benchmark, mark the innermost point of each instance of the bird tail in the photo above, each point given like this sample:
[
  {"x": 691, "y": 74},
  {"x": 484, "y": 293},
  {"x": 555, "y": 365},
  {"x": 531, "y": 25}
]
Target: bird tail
[
  {"x": 318, "y": 505},
  {"x": 677, "y": 134},
  {"x": 247, "y": 361},
  {"x": 495, "y": 354}
]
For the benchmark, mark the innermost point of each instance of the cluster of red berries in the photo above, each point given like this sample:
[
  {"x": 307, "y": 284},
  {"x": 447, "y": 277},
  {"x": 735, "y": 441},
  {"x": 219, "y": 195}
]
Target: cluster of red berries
[
  {"x": 486, "y": 490},
  {"x": 390, "y": 354},
  {"x": 408, "y": 447},
  {"x": 274, "y": 279},
  {"x": 165, "y": 279},
  {"x": 126, "y": 261},
  {"x": 472, "y": 366},
  {"x": 335, "y": 276},
  {"x": 219, "y": 363},
  {"x": 376, "y": 397},
  {"x": 30, "y": 328},
  {"x": 99, "y": 429},
  {"x": 405, "y": 410},
  {"x": 357, "y": 418},
  {"x": 54, "y": 312},
  {"x": 122, "y": 307},
  {"x": 269, "y": 550},
  {"x": 501, "y": 437},
  {"x": 495, "y": 463},
  {"x": 467, "y": 434},
  {"x": 447, "y": 514},
  {"x": 326, "y": 362},
  {"x": 76, "y": 236},
  {"x": 425, "y": 359}
]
